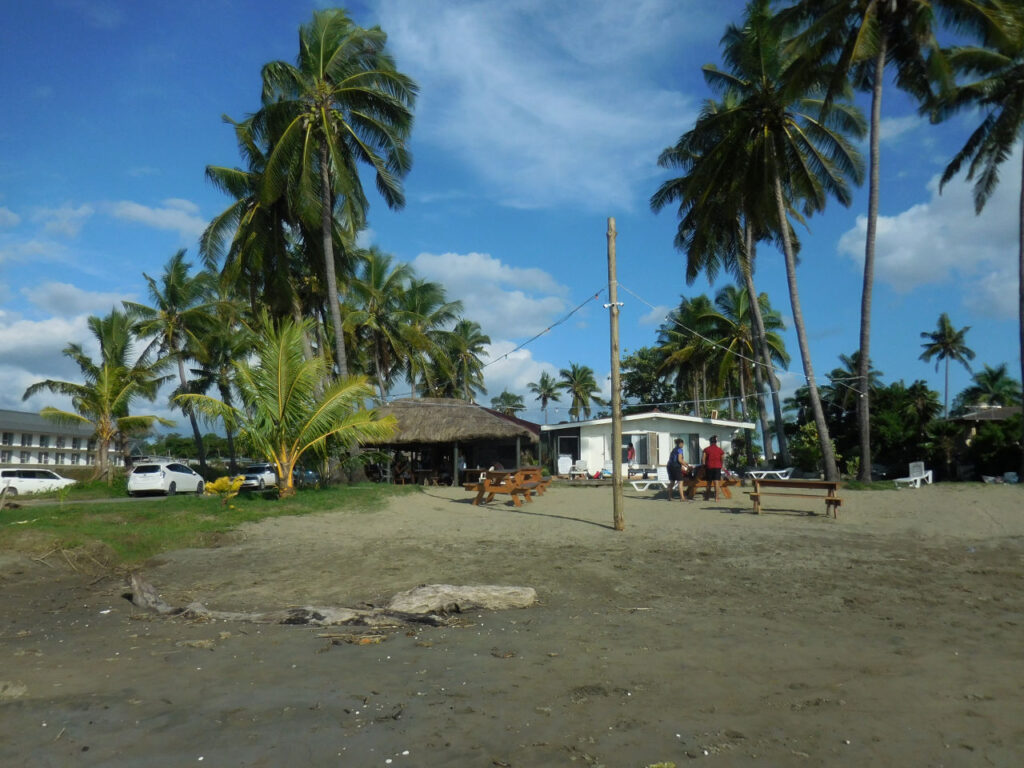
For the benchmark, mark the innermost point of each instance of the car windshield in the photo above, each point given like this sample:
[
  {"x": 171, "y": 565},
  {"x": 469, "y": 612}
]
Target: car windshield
[
  {"x": 146, "y": 469},
  {"x": 259, "y": 468}
]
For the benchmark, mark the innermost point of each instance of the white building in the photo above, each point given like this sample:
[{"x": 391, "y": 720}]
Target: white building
[
  {"x": 651, "y": 434},
  {"x": 28, "y": 438}
]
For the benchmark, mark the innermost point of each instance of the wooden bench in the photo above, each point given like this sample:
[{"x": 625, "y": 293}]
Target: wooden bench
[
  {"x": 532, "y": 479},
  {"x": 825, "y": 489},
  {"x": 491, "y": 483}
]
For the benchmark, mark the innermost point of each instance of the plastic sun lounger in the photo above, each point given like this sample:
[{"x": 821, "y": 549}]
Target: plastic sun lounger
[
  {"x": 917, "y": 474},
  {"x": 661, "y": 480},
  {"x": 776, "y": 474}
]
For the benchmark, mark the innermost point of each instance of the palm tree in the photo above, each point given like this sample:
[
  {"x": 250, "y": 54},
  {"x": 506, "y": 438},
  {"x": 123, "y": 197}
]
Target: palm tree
[
  {"x": 175, "y": 323},
  {"x": 857, "y": 39},
  {"x": 579, "y": 383},
  {"x": 999, "y": 67},
  {"x": 507, "y": 403},
  {"x": 730, "y": 326},
  {"x": 992, "y": 386},
  {"x": 284, "y": 412},
  {"x": 375, "y": 315},
  {"x": 429, "y": 313},
  {"x": 343, "y": 103},
  {"x": 103, "y": 400},
  {"x": 947, "y": 343},
  {"x": 784, "y": 141},
  {"x": 686, "y": 354},
  {"x": 718, "y": 228},
  {"x": 457, "y": 370},
  {"x": 546, "y": 390}
]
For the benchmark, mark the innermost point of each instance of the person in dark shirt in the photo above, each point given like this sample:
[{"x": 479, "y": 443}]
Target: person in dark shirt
[{"x": 677, "y": 469}]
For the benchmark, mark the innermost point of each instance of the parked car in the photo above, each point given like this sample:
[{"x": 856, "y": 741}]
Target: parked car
[
  {"x": 15, "y": 481},
  {"x": 303, "y": 477},
  {"x": 259, "y": 476},
  {"x": 164, "y": 476}
]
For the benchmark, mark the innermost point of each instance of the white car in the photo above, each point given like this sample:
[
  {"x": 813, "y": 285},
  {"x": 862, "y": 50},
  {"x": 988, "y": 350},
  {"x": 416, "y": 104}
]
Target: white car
[
  {"x": 15, "y": 481},
  {"x": 259, "y": 476},
  {"x": 168, "y": 477}
]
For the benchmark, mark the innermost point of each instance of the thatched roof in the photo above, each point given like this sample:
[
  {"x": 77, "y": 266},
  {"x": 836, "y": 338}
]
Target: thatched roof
[{"x": 442, "y": 420}]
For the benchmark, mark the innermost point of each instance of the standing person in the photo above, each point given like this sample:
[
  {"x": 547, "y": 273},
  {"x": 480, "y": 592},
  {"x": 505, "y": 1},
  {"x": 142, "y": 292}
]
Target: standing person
[
  {"x": 712, "y": 467},
  {"x": 677, "y": 469}
]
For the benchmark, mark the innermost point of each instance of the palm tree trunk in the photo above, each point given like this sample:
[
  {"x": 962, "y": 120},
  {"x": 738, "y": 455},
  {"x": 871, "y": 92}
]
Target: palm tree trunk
[
  {"x": 761, "y": 344},
  {"x": 196, "y": 434},
  {"x": 864, "y": 363},
  {"x": 947, "y": 388},
  {"x": 329, "y": 269},
  {"x": 1020, "y": 295},
  {"x": 828, "y": 456}
]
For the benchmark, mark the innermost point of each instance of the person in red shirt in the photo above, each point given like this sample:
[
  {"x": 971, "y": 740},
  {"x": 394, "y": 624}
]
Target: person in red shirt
[{"x": 712, "y": 467}]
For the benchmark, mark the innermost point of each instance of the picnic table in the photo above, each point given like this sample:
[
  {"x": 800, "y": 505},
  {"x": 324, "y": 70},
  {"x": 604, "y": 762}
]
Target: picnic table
[
  {"x": 494, "y": 482},
  {"x": 692, "y": 484},
  {"x": 824, "y": 489}
]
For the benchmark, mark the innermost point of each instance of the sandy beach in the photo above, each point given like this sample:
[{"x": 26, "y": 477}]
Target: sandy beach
[{"x": 891, "y": 636}]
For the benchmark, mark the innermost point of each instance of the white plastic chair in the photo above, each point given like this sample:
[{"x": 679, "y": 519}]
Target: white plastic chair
[
  {"x": 579, "y": 468},
  {"x": 917, "y": 474}
]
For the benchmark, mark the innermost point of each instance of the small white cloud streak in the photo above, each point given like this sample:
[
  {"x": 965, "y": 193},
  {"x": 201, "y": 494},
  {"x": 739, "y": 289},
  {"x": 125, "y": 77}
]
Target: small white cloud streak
[
  {"x": 8, "y": 218},
  {"x": 67, "y": 220},
  {"x": 942, "y": 240},
  {"x": 179, "y": 216},
  {"x": 892, "y": 128},
  {"x": 66, "y": 300}
]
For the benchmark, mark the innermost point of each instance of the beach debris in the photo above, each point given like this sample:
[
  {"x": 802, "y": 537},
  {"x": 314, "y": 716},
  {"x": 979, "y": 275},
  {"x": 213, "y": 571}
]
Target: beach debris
[{"x": 427, "y": 604}]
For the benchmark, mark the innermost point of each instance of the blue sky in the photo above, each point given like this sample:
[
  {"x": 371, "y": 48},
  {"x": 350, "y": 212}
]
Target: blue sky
[{"x": 537, "y": 120}]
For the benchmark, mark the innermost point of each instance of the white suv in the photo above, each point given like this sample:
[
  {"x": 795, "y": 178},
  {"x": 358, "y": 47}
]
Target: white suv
[{"x": 15, "y": 481}]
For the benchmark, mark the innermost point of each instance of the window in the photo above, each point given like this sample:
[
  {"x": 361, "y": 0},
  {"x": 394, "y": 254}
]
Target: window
[
  {"x": 60, "y": 441},
  {"x": 59, "y": 458},
  {"x": 44, "y": 441},
  {"x": 74, "y": 458},
  {"x": 24, "y": 457},
  {"x": 8, "y": 438},
  {"x": 44, "y": 457},
  {"x": 76, "y": 443},
  {"x": 5, "y": 457},
  {"x": 26, "y": 438}
]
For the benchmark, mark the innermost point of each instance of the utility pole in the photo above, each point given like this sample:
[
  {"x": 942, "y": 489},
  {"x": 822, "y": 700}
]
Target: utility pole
[{"x": 613, "y": 305}]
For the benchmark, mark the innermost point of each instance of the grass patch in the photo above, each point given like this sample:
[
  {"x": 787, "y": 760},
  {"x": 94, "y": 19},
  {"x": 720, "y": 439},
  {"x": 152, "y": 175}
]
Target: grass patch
[
  {"x": 874, "y": 485},
  {"x": 137, "y": 529}
]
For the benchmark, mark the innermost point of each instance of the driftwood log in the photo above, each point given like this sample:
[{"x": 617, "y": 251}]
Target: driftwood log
[{"x": 427, "y": 604}]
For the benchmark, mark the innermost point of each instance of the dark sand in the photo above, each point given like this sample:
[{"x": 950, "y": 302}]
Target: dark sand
[{"x": 893, "y": 636}]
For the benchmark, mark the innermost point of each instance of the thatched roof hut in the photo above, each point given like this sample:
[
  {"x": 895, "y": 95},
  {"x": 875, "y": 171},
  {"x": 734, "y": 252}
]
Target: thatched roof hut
[
  {"x": 430, "y": 420},
  {"x": 451, "y": 429}
]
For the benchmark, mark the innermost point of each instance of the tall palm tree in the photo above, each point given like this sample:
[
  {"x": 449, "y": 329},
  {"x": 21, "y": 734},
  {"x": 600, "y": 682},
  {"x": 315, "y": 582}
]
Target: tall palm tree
[
  {"x": 110, "y": 386},
  {"x": 176, "y": 321},
  {"x": 946, "y": 343},
  {"x": 508, "y": 403},
  {"x": 579, "y": 383},
  {"x": 788, "y": 143},
  {"x": 718, "y": 229},
  {"x": 857, "y": 39},
  {"x": 546, "y": 390},
  {"x": 284, "y": 411},
  {"x": 999, "y": 69},
  {"x": 343, "y": 103},
  {"x": 686, "y": 354}
]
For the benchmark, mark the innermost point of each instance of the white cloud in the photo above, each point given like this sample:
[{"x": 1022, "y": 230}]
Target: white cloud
[
  {"x": 541, "y": 99},
  {"x": 8, "y": 218},
  {"x": 499, "y": 297},
  {"x": 66, "y": 220},
  {"x": 511, "y": 370},
  {"x": 894, "y": 127},
  {"x": 656, "y": 316},
  {"x": 66, "y": 300},
  {"x": 181, "y": 216},
  {"x": 942, "y": 240},
  {"x": 31, "y": 250}
]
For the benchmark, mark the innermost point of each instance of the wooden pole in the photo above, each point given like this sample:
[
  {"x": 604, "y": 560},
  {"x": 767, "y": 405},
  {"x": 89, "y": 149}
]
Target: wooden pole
[{"x": 613, "y": 305}]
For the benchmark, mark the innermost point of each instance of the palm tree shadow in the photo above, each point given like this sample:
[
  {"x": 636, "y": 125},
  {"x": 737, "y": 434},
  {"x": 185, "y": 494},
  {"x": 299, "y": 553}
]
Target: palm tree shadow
[{"x": 507, "y": 506}]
